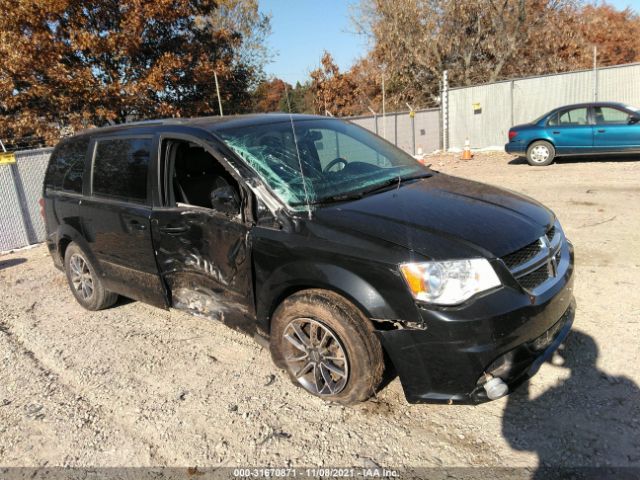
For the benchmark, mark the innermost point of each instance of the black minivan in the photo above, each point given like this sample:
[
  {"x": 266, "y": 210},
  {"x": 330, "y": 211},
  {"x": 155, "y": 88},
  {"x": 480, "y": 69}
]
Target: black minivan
[{"x": 338, "y": 250}]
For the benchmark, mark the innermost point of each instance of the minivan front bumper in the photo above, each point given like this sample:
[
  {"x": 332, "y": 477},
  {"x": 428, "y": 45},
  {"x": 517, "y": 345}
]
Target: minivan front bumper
[{"x": 506, "y": 334}]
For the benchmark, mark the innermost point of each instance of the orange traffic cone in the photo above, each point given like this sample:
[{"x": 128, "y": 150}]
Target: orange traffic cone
[{"x": 466, "y": 153}]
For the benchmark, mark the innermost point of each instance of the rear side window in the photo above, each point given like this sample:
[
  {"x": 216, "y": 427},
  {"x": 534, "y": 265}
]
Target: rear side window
[
  {"x": 66, "y": 167},
  {"x": 577, "y": 116},
  {"x": 120, "y": 169}
]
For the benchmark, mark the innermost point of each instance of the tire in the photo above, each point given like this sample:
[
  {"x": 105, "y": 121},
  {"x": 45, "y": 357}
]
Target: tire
[
  {"x": 540, "y": 153},
  {"x": 346, "y": 358},
  {"x": 83, "y": 281}
]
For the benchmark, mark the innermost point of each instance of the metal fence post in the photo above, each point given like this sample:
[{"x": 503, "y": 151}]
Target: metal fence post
[
  {"x": 511, "y": 101},
  {"x": 595, "y": 73},
  {"x": 395, "y": 129},
  {"x": 444, "y": 101},
  {"x": 412, "y": 114}
]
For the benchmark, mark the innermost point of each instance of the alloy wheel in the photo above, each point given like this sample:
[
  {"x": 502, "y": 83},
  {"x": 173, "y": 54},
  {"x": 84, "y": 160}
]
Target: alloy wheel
[
  {"x": 316, "y": 357},
  {"x": 81, "y": 276}
]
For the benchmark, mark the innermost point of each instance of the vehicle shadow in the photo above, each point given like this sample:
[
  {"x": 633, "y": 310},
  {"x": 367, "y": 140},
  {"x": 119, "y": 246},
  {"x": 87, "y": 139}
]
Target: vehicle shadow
[
  {"x": 591, "y": 419},
  {"x": 122, "y": 301},
  {"x": 12, "y": 262},
  {"x": 583, "y": 159}
]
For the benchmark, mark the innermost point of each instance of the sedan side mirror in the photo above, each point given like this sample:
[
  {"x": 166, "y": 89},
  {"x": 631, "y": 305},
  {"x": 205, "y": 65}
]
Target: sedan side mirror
[
  {"x": 225, "y": 200},
  {"x": 635, "y": 118}
]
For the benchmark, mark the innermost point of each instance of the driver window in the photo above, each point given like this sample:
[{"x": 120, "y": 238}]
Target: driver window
[
  {"x": 195, "y": 178},
  {"x": 333, "y": 144},
  {"x": 610, "y": 116}
]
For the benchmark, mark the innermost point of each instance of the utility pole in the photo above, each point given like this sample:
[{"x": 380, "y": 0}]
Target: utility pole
[{"x": 215, "y": 76}]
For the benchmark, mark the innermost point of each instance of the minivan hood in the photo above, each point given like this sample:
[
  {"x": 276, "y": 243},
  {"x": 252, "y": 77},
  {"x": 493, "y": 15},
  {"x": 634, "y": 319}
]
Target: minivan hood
[{"x": 445, "y": 217}]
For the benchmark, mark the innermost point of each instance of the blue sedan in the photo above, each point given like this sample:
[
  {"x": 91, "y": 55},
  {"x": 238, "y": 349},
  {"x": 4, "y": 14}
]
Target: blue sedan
[{"x": 582, "y": 129}]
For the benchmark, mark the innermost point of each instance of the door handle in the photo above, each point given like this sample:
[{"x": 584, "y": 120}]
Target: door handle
[
  {"x": 174, "y": 230},
  {"x": 137, "y": 225},
  {"x": 601, "y": 130},
  {"x": 556, "y": 132}
]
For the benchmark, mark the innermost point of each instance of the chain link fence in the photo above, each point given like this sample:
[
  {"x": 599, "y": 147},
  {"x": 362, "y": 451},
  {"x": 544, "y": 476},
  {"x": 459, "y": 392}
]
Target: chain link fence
[{"x": 20, "y": 190}]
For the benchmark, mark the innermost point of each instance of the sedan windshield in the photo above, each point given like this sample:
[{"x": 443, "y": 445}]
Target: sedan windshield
[{"x": 320, "y": 160}]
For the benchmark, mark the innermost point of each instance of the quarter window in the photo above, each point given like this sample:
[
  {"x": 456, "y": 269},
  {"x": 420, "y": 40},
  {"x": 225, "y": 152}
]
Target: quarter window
[
  {"x": 66, "y": 168},
  {"x": 120, "y": 169}
]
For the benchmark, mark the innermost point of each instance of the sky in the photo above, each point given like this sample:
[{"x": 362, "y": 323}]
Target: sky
[{"x": 303, "y": 29}]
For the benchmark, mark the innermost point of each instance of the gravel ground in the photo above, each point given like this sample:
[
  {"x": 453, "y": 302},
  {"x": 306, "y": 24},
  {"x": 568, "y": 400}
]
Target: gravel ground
[{"x": 139, "y": 386}]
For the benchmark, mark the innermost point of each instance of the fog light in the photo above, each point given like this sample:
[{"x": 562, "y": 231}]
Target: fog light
[{"x": 496, "y": 388}]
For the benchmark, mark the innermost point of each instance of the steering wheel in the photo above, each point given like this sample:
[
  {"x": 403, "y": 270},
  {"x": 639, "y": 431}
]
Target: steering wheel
[{"x": 335, "y": 162}]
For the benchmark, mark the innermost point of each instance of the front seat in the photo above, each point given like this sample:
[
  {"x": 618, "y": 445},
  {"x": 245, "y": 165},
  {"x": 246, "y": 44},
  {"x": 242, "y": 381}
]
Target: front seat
[{"x": 202, "y": 175}]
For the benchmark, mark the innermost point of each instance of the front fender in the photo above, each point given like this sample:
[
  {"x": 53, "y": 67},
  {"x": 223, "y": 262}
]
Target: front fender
[{"x": 301, "y": 275}]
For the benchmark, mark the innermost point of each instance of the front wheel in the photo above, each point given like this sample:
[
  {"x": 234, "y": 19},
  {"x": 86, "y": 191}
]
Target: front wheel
[
  {"x": 540, "y": 153},
  {"x": 327, "y": 346}
]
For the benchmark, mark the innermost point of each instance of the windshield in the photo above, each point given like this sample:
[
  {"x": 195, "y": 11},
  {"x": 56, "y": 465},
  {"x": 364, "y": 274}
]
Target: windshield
[{"x": 337, "y": 159}]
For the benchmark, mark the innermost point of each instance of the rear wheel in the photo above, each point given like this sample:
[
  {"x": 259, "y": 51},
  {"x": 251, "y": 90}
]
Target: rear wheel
[
  {"x": 540, "y": 153},
  {"x": 327, "y": 346},
  {"x": 85, "y": 285}
]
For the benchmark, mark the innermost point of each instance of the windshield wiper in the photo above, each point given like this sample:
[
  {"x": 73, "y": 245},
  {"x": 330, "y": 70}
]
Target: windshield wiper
[{"x": 341, "y": 197}]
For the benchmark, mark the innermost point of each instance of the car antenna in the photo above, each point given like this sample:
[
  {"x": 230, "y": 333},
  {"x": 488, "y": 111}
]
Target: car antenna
[{"x": 295, "y": 141}]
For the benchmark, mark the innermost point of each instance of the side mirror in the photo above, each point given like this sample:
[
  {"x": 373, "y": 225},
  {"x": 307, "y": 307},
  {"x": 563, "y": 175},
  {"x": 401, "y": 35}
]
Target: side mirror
[
  {"x": 635, "y": 118},
  {"x": 225, "y": 200}
]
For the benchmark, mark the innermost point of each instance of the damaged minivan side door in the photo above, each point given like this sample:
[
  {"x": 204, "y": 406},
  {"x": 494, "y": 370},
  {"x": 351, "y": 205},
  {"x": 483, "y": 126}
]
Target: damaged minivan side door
[{"x": 199, "y": 233}]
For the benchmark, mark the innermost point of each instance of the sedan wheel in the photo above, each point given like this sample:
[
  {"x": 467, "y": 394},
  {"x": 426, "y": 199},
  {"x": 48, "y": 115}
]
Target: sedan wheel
[{"x": 540, "y": 153}]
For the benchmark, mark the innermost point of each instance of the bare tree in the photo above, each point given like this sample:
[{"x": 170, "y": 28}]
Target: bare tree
[{"x": 475, "y": 40}]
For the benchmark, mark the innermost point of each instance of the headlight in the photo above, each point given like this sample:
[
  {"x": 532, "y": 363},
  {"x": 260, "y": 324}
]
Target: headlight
[{"x": 449, "y": 282}]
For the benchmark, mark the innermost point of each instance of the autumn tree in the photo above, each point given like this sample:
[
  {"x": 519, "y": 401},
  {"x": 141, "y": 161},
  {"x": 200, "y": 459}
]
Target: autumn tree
[
  {"x": 269, "y": 94},
  {"x": 616, "y": 33},
  {"x": 481, "y": 41},
  {"x": 77, "y": 63},
  {"x": 344, "y": 93},
  {"x": 300, "y": 99},
  {"x": 477, "y": 41}
]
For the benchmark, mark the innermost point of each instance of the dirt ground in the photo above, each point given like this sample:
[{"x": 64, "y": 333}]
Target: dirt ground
[{"x": 136, "y": 385}]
